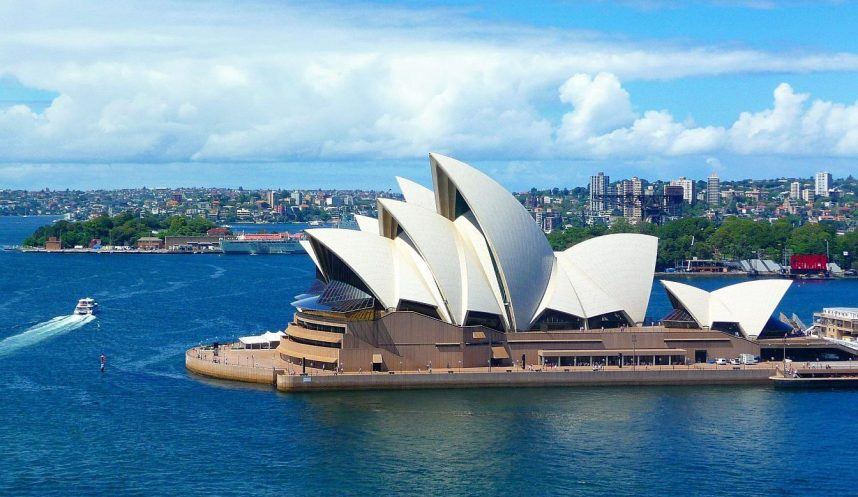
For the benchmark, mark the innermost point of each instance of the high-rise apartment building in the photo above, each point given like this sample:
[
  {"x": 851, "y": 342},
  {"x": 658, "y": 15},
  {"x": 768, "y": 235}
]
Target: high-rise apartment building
[
  {"x": 713, "y": 190},
  {"x": 637, "y": 190},
  {"x": 823, "y": 184},
  {"x": 598, "y": 190},
  {"x": 631, "y": 191},
  {"x": 687, "y": 188}
]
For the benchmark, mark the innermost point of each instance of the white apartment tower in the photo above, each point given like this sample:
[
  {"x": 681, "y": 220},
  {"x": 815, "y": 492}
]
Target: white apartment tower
[
  {"x": 687, "y": 188},
  {"x": 795, "y": 190},
  {"x": 598, "y": 186},
  {"x": 823, "y": 183}
]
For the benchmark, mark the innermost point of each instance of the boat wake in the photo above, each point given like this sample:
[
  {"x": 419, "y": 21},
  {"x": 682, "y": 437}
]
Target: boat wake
[{"x": 43, "y": 331}]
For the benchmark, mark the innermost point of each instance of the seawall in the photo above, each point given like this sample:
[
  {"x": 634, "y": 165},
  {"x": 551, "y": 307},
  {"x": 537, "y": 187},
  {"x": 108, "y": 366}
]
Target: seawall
[
  {"x": 257, "y": 366},
  {"x": 232, "y": 372},
  {"x": 385, "y": 381}
]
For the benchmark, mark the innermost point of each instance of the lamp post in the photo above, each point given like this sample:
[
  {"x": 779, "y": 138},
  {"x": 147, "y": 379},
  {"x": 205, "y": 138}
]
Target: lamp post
[
  {"x": 491, "y": 339},
  {"x": 634, "y": 352}
]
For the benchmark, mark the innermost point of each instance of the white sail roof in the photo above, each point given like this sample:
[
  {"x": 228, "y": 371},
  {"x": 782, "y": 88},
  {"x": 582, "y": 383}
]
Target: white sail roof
[
  {"x": 309, "y": 249},
  {"x": 366, "y": 223},
  {"x": 413, "y": 278},
  {"x": 454, "y": 267},
  {"x": 561, "y": 295},
  {"x": 479, "y": 263},
  {"x": 519, "y": 249},
  {"x": 470, "y": 246},
  {"x": 694, "y": 300},
  {"x": 749, "y": 304},
  {"x": 416, "y": 194},
  {"x": 383, "y": 266},
  {"x": 594, "y": 300},
  {"x": 621, "y": 265}
]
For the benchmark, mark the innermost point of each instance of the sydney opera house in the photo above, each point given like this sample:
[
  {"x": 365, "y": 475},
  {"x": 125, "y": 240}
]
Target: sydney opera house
[{"x": 460, "y": 276}]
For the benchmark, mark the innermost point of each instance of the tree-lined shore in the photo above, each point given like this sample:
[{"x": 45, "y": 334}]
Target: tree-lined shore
[
  {"x": 734, "y": 238},
  {"x": 122, "y": 229}
]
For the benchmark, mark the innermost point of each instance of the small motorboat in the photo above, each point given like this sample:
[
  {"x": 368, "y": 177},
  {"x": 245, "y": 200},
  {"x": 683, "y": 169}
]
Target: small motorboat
[{"x": 86, "y": 306}]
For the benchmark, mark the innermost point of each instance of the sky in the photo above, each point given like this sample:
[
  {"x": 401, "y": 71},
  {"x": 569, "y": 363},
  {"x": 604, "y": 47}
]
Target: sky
[{"x": 276, "y": 94}]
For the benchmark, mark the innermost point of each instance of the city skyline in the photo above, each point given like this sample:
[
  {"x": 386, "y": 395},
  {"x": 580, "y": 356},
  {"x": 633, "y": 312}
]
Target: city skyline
[
  {"x": 331, "y": 180},
  {"x": 341, "y": 95}
]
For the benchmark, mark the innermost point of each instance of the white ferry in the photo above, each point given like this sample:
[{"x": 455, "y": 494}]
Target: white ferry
[
  {"x": 263, "y": 243},
  {"x": 86, "y": 306}
]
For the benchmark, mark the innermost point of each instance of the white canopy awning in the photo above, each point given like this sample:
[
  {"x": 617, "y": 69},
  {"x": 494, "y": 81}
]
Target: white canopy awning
[{"x": 267, "y": 337}]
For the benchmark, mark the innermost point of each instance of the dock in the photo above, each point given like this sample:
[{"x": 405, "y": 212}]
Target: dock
[{"x": 813, "y": 375}]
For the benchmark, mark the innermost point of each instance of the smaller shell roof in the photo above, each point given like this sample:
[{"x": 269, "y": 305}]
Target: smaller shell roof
[{"x": 750, "y": 304}]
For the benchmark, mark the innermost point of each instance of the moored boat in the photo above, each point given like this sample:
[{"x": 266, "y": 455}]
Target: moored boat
[{"x": 263, "y": 243}]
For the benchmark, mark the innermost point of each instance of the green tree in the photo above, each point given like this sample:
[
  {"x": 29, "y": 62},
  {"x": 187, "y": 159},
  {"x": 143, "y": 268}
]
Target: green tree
[
  {"x": 846, "y": 253},
  {"x": 811, "y": 238}
]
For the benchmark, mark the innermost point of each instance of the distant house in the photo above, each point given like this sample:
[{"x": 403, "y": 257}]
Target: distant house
[
  {"x": 150, "y": 243},
  {"x": 52, "y": 244}
]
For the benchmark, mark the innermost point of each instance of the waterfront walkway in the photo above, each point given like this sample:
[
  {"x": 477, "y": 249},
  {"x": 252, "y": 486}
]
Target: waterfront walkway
[{"x": 263, "y": 366}]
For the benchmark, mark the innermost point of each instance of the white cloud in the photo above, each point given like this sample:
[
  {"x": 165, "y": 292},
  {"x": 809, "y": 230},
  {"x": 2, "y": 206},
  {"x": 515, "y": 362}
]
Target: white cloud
[
  {"x": 600, "y": 104},
  {"x": 792, "y": 126},
  {"x": 167, "y": 81}
]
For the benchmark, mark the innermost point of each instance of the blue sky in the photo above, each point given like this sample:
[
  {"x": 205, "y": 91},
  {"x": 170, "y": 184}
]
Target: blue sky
[{"x": 280, "y": 94}]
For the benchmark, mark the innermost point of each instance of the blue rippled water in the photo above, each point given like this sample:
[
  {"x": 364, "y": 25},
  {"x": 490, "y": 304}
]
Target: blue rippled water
[{"x": 146, "y": 427}]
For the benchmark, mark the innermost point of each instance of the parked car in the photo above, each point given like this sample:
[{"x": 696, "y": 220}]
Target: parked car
[
  {"x": 735, "y": 361},
  {"x": 721, "y": 361}
]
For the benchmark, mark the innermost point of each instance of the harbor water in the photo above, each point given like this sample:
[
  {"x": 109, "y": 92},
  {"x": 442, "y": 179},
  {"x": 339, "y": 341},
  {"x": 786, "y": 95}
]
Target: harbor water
[{"x": 147, "y": 427}]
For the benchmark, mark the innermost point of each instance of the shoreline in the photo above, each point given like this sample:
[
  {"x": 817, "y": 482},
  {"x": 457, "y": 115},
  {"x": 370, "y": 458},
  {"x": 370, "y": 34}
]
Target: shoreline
[{"x": 130, "y": 251}]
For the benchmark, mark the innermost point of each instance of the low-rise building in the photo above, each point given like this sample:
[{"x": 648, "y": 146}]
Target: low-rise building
[
  {"x": 53, "y": 244},
  {"x": 838, "y": 322},
  {"x": 150, "y": 243},
  {"x": 192, "y": 243}
]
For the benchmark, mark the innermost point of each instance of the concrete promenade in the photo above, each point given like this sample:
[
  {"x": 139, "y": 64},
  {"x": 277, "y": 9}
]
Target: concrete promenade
[
  {"x": 261, "y": 366},
  {"x": 250, "y": 366}
]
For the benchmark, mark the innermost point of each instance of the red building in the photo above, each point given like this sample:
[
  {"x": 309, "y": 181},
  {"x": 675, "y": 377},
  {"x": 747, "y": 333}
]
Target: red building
[{"x": 808, "y": 263}]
